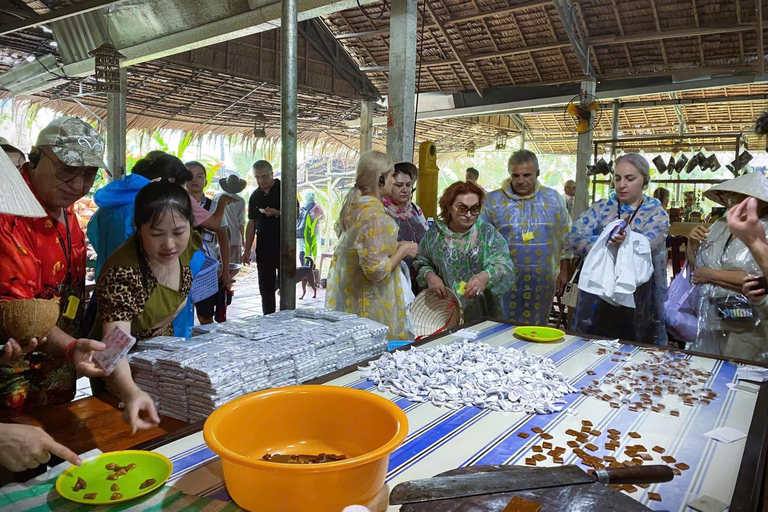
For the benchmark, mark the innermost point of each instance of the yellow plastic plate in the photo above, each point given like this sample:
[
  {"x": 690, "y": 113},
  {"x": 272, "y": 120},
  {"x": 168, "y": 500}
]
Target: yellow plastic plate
[
  {"x": 539, "y": 334},
  {"x": 94, "y": 472}
]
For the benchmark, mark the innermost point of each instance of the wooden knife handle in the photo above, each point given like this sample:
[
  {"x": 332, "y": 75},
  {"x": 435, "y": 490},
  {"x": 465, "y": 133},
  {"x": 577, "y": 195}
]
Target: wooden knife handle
[{"x": 635, "y": 475}]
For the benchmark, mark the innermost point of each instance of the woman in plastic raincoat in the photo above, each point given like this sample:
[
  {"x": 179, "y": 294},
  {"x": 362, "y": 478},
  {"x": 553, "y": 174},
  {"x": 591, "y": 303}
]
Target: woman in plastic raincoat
[
  {"x": 644, "y": 215},
  {"x": 534, "y": 221},
  {"x": 729, "y": 325},
  {"x": 465, "y": 255},
  {"x": 365, "y": 276}
]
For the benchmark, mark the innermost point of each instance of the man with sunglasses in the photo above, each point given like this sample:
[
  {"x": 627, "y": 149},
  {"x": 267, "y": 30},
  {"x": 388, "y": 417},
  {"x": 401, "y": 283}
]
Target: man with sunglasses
[
  {"x": 45, "y": 258},
  {"x": 534, "y": 220}
]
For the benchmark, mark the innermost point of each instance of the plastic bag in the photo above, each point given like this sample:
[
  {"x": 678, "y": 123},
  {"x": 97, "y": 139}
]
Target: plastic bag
[{"x": 678, "y": 308}]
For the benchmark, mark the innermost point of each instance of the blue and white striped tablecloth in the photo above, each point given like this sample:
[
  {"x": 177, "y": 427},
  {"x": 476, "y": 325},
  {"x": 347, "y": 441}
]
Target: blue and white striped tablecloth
[{"x": 441, "y": 439}]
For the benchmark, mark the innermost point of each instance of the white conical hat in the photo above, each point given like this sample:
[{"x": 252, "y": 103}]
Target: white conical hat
[
  {"x": 15, "y": 196},
  {"x": 753, "y": 184}
]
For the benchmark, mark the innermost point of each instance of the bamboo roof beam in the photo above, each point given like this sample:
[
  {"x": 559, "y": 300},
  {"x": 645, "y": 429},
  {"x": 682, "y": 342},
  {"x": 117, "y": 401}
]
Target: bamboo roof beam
[
  {"x": 461, "y": 19},
  {"x": 525, "y": 45},
  {"x": 462, "y": 63},
  {"x": 570, "y": 22},
  {"x": 658, "y": 29},
  {"x": 596, "y": 41},
  {"x": 741, "y": 35},
  {"x": 696, "y": 21},
  {"x": 554, "y": 38}
]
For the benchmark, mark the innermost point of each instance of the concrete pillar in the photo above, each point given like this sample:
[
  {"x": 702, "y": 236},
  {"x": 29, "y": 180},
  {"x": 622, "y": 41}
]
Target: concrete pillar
[
  {"x": 116, "y": 128},
  {"x": 522, "y": 139},
  {"x": 366, "y": 126},
  {"x": 583, "y": 155},
  {"x": 402, "y": 79},
  {"x": 289, "y": 35}
]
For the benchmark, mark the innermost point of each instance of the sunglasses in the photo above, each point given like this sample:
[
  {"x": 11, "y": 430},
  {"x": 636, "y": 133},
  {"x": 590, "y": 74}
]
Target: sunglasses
[
  {"x": 463, "y": 210},
  {"x": 66, "y": 173}
]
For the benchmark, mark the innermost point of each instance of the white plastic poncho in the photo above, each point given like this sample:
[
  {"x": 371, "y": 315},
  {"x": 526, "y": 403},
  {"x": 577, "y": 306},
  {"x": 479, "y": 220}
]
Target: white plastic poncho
[{"x": 612, "y": 272}]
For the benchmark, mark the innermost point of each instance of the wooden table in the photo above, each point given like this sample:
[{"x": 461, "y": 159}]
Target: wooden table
[
  {"x": 442, "y": 439},
  {"x": 86, "y": 424}
]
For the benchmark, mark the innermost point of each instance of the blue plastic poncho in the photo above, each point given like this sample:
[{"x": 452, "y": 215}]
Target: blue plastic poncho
[
  {"x": 653, "y": 222},
  {"x": 112, "y": 224},
  {"x": 534, "y": 227}
]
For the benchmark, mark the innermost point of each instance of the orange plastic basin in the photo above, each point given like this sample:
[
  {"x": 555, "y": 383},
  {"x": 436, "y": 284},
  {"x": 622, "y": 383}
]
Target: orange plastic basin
[{"x": 305, "y": 419}]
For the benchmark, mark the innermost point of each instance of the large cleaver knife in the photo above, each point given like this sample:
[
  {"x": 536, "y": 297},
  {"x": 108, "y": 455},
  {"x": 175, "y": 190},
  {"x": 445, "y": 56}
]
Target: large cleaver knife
[{"x": 459, "y": 486}]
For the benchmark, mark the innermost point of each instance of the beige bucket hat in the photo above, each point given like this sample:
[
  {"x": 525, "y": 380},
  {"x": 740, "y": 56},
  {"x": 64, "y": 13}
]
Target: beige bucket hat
[{"x": 753, "y": 184}]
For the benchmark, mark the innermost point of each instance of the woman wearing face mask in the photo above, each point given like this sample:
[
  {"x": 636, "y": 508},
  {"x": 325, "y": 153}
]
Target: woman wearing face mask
[
  {"x": 728, "y": 324},
  {"x": 363, "y": 278},
  {"x": 644, "y": 215},
  {"x": 466, "y": 255},
  {"x": 408, "y": 216}
]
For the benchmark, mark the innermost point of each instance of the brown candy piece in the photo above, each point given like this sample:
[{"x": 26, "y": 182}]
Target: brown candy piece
[
  {"x": 114, "y": 488},
  {"x": 116, "y": 496},
  {"x": 654, "y": 496},
  {"x": 518, "y": 504},
  {"x": 147, "y": 483},
  {"x": 113, "y": 476},
  {"x": 524, "y": 435},
  {"x": 129, "y": 467},
  {"x": 112, "y": 466},
  {"x": 79, "y": 485},
  {"x": 90, "y": 496}
]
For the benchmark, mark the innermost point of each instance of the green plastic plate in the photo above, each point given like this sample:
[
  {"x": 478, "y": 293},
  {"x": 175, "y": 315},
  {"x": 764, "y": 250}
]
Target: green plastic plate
[
  {"x": 539, "y": 334},
  {"x": 94, "y": 472}
]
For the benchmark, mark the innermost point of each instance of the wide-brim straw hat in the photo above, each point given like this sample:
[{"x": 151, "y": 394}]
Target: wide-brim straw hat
[
  {"x": 15, "y": 196},
  {"x": 753, "y": 184},
  {"x": 431, "y": 314}
]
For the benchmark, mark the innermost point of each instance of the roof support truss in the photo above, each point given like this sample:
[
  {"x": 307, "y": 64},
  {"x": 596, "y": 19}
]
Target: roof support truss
[
  {"x": 317, "y": 34},
  {"x": 570, "y": 21}
]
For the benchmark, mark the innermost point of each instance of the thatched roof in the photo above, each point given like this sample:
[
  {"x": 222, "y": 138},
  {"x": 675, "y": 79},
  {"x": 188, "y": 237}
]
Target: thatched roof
[
  {"x": 515, "y": 42},
  {"x": 221, "y": 88}
]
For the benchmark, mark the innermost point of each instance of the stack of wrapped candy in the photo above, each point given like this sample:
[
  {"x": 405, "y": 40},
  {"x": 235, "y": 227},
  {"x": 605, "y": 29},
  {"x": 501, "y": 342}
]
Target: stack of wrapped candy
[{"x": 189, "y": 379}]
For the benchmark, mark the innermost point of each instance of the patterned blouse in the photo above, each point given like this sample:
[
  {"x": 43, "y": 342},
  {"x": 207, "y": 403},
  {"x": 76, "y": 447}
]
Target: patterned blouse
[{"x": 128, "y": 295}]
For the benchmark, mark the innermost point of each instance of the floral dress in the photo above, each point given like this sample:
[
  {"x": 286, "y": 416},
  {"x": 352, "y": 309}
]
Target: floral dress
[
  {"x": 534, "y": 227},
  {"x": 457, "y": 257},
  {"x": 361, "y": 279},
  {"x": 594, "y": 315}
]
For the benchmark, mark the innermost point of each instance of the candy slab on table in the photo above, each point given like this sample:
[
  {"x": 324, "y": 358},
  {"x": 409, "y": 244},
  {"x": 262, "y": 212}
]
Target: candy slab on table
[{"x": 441, "y": 439}]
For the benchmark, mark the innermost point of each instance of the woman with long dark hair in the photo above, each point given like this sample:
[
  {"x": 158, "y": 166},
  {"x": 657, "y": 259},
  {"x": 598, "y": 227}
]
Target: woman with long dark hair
[{"x": 145, "y": 283}]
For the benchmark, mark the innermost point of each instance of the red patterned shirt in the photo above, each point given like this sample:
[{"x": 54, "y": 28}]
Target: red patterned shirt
[{"x": 39, "y": 260}]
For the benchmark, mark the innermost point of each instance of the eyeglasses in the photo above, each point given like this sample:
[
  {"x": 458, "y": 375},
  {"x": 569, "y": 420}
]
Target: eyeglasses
[
  {"x": 463, "y": 210},
  {"x": 68, "y": 173}
]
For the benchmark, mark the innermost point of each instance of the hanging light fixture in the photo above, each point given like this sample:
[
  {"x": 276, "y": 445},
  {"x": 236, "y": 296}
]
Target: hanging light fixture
[
  {"x": 107, "y": 68},
  {"x": 471, "y": 147},
  {"x": 260, "y": 126},
  {"x": 501, "y": 140}
]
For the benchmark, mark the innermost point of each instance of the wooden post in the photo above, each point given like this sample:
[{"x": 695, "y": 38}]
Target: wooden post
[
  {"x": 116, "y": 128},
  {"x": 366, "y": 126},
  {"x": 583, "y": 154}
]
